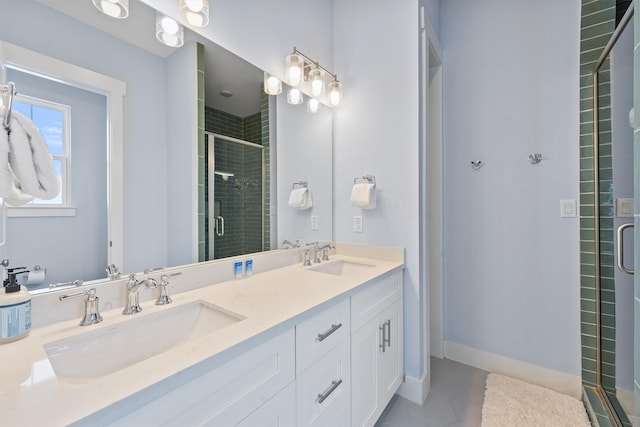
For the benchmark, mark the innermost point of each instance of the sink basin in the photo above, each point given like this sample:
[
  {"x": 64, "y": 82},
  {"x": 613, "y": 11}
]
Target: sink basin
[
  {"x": 104, "y": 351},
  {"x": 341, "y": 268}
]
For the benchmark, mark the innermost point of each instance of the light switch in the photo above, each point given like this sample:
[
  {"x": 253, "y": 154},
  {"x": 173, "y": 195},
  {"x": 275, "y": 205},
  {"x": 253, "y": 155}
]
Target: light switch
[
  {"x": 357, "y": 224},
  {"x": 568, "y": 208},
  {"x": 314, "y": 222},
  {"x": 624, "y": 207}
]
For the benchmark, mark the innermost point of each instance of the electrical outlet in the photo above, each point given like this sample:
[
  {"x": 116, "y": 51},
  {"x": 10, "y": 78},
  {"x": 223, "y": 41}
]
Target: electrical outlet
[
  {"x": 357, "y": 224},
  {"x": 314, "y": 222}
]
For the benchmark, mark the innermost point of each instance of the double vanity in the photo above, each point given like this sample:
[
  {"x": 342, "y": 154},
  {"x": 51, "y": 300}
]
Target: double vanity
[{"x": 288, "y": 345}]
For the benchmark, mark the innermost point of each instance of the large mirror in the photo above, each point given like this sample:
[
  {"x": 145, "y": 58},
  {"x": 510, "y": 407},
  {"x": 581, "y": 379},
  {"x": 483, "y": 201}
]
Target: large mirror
[{"x": 188, "y": 194}]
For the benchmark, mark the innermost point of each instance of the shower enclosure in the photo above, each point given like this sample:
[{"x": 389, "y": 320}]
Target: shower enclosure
[
  {"x": 614, "y": 189},
  {"x": 235, "y": 196}
]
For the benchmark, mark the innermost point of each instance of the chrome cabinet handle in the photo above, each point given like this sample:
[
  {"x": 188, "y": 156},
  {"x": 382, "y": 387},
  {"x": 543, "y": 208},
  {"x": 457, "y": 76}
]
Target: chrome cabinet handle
[
  {"x": 220, "y": 226},
  {"x": 387, "y": 339},
  {"x": 620, "y": 248},
  {"x": 325, "y": 335},
  {"x": 323, "y": 396}
]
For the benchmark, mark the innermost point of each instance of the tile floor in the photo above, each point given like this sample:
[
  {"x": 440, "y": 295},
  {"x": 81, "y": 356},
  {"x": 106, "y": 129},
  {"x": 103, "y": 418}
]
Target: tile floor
[{"x": 455, "y": 399}]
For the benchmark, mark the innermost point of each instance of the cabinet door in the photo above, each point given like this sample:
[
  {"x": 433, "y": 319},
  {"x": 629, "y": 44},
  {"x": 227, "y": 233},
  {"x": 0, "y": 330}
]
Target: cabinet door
[
  {"x": 376, "y": 370},
  {"x": 364, "y": 379},
  {"x": 390, "y": 354}
]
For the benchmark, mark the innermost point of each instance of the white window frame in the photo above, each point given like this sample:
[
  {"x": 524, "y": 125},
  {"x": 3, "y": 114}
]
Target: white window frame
[{"x": 65, "y": 208}]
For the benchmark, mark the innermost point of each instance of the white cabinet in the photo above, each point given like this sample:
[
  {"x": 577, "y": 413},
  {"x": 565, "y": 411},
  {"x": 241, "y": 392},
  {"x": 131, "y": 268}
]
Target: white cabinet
[
  {"x": 220, "y": 395},
  {"x": 376, "y": 349},
  {"x": 277, "y": 412}
]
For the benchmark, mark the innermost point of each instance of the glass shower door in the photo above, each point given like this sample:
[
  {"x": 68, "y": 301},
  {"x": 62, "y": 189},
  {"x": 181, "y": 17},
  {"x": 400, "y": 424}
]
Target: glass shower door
[
  {"x": 615, "y": 227},
  {"x": 235, "y": 197}
]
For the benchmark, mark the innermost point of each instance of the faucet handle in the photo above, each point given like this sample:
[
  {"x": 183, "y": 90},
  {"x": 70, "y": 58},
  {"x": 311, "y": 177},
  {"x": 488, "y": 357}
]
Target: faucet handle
[
  {"x": 91, "y": 311},
  {"x": 306, "y": 262},
  {"x": 163, "y": 289}
]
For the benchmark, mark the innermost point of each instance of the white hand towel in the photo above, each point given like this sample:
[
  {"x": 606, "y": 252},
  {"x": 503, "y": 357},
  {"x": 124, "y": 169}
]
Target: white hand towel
[
  {"x": 300, "y": 198},
  {"x": 363, "y": 195},
  {"x": 30, "y": 160},
  {"x": 8, "y": 189}
]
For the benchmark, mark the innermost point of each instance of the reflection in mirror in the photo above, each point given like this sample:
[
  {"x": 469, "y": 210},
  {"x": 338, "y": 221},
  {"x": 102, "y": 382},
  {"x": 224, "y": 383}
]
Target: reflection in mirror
[{"x": 153, "y": 184}]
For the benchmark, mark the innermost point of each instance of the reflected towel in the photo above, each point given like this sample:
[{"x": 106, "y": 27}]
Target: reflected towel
[
  {"x": 9, "y": 191},
  {"x": 300, "y": 198},
  {"x": 30, "y": 159},
  {"x": 363, "y": 196}
]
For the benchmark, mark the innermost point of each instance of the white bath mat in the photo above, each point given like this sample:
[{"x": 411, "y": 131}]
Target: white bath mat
[{"x": 513, "y": 403}]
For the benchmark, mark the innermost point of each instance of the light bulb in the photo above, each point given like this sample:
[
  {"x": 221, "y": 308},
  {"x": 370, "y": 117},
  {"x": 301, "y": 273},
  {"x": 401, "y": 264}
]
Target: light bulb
[
  {"x": 294, "y": 96},
  {"x": 335, "y": 93},
  {"x": 313, "y": 105},
  {"x": 317, "y": 82},
  {"x": 295, "y": 69},
  {"x": 168, "y": 31},
  {"x": 114, "y": 8},
  {"x": 272, "y": 85},
  {"x": 196, "y": 12}
]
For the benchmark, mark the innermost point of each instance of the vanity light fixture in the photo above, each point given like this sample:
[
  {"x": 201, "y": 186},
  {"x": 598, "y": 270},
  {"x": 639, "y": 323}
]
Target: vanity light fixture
[
  {"x": 300, "y": 68},
  {"x": 113, "y": 8},
  {"x": 168, "y": 31},
  {"x": 294, "y": 96},
  {"x": 196, "y": 12},
  {"x": 313, "y": 105},
  {"x": 272, "y": 84}
]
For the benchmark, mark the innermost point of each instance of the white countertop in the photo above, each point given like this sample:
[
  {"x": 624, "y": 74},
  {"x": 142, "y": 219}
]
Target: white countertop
[{"x": 31, "y": 394}]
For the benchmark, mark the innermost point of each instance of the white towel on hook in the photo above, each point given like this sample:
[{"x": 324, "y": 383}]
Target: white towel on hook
[
  {"x": 8, "y": 189},
  {"x": 363, "y": 195},
  {"x": 300, "y": 198},
  {"x": 30, "y": 159}
]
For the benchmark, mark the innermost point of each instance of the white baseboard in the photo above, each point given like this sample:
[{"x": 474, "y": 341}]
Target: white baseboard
[
  {"x": 554, "y": 380},
  {"x": 414, "y": 389}
]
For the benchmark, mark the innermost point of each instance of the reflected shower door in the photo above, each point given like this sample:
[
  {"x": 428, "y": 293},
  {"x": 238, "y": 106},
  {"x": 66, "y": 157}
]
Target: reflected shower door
[{"x": 235, "y": 197}]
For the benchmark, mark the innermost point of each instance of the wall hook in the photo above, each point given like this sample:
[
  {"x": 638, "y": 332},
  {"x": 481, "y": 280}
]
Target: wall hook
[
  {"x": 476, "y": 165},
  {"x": 535, "y": 158}
]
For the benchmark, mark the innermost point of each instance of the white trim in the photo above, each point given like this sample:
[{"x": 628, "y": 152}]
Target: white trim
[
  {"x": 549, "y": 378},
  {"x": 39, "y": 211},
  {"x": 42, "y": 65},
  {"x": 414, "y": 389}
]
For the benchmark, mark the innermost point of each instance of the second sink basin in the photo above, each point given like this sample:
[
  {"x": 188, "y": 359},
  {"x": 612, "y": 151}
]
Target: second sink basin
[
  {"x": 93, "y": 354},
  {"x": 341, "y": 267}
]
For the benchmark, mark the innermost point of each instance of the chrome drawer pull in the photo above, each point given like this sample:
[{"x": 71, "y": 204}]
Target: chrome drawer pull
[
  {"x": 322, "y": 337},
  {"x": 334, "y": 385}
]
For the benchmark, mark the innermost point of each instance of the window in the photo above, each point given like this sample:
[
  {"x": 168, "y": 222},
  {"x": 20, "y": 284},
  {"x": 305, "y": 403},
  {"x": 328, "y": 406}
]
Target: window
[{"x": 52, "y": 120}]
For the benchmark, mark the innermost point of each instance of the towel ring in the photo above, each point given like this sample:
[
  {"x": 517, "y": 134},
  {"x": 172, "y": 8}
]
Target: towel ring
[
  {"x": 8, "y": 91},
  {"x": 301, "y": 184},
  {"x": 366, "y": 178}
]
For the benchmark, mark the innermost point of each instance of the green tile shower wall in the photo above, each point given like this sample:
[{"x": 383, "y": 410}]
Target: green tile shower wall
[
  {"x": 597, "y": 25},
  {"x": 202, "y": 250}
]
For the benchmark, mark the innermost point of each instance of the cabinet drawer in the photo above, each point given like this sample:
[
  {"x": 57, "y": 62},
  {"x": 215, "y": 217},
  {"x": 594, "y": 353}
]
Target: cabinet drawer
[
  {"x": 324, "y": 390},
  {"x": 316, "y": 336},
  {"x": 277, "y": 412},
  {"x": 368, "y": 303}
]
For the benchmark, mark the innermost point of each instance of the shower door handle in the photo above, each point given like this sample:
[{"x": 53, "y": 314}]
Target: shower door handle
[
  {"x": 620, "y": 251},
  {"x": 220, "y": 226}
]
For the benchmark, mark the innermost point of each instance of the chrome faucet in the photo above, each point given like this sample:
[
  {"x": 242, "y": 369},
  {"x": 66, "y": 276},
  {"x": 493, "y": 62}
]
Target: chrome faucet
[
  {"x": 163, "y": 289},
  {"x": 91, "y": 313},
  {"x": 325, "y": 251},
  {"x": 292, "y": 245},
  {"x": 306, "y": 261},
  {"x": 132, "y": 299}
]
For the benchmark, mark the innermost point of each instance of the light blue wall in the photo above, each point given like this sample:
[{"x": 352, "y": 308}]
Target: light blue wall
[
  {"x": 376, "y": 132},
  {"x": 636, "y": 180},
  {"x": 511, "y": 263},
  {"x": 145, "y": 152}
]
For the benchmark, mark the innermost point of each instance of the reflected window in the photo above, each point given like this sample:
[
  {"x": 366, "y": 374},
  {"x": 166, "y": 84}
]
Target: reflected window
[{"x": 52, "y": 120}]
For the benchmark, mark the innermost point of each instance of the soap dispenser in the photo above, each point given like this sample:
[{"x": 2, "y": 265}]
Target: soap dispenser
[{"x": 15, "y": 306}]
